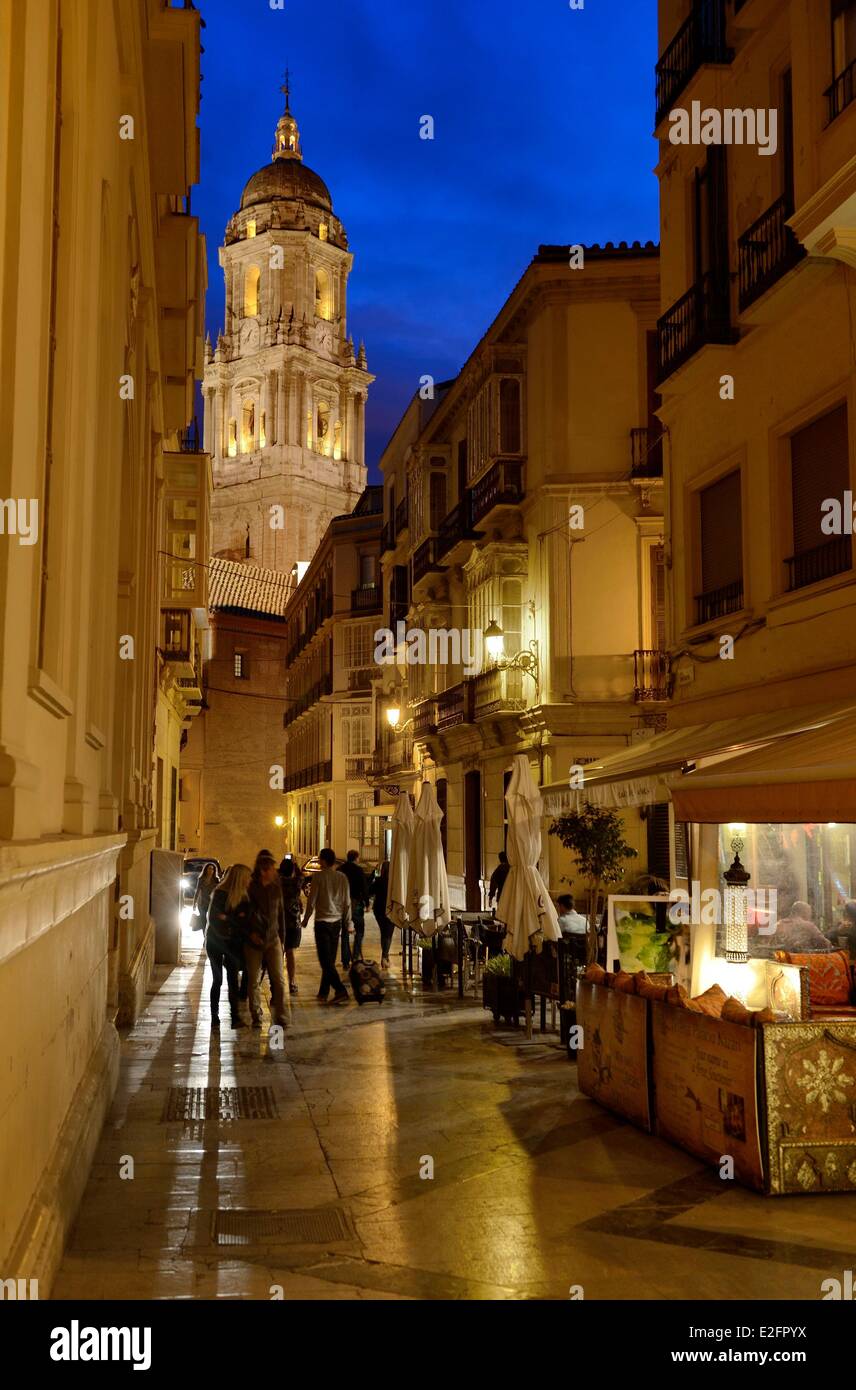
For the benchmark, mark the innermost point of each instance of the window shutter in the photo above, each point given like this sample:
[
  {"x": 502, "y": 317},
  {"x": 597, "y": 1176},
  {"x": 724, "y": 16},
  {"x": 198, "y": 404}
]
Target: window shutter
[
  {"x": 820, "y": 468},
  {"x": 658, "y": 841},
  {"x": 721, "y": 533}
]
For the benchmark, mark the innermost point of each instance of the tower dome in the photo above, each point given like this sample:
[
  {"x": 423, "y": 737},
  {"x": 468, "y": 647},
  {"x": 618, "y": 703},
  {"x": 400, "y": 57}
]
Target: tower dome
[{"x": 286, "y": 177}]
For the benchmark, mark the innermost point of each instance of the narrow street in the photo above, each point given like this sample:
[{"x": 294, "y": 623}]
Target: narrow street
[{"x": 535, "y": 1188}]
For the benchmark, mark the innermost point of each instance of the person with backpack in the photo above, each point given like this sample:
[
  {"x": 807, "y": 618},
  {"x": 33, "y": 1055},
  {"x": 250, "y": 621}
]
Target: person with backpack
[
  {"x": 359, "y": 887},
  {"x": 264, "y": 934},
  {"x": 289, "y": 883},
  {"x": 229, "y": 905},
  {"x": 330, "y": 900}
]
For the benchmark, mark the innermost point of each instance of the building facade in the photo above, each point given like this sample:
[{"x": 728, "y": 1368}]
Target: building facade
[
  {"x": 285, "y": 393},
  {"x": 527, "y": 498},
  {"x": 102, "y": 292},
  {"x": 331, "y": 621},
  {"x": 231, "y": 785}
]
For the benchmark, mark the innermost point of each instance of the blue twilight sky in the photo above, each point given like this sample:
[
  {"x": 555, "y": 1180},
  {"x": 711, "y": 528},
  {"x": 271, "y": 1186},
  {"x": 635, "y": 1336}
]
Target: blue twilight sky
[{"x": 543, "y": 118}]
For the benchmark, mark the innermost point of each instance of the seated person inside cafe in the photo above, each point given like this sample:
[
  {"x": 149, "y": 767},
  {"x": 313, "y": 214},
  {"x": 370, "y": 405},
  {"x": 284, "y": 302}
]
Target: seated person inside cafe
[
  {"x": 797, "y": 932},
  {"x": 571, "y": 922}
]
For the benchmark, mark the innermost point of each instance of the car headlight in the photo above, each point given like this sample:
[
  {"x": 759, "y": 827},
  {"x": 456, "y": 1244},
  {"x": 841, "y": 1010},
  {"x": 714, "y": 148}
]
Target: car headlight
[{"x": 184, "y": 883}]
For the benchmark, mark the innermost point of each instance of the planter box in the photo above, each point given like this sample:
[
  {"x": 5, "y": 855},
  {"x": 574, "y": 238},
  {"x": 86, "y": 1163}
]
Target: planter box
[{"x": 501, "y": 995}]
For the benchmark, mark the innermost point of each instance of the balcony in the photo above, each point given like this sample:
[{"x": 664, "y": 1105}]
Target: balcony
[
  {"x": 501, "y": 486},
  {"x": 700, "y": 39},
  {"x": 840, "y": 94},
  {"x": 356, "y": 768},
  {"x": 366, "y": 599},
  {"x": 424, "y": 719},
  {"x": 835, "y": 556},
  {"x": 700, "y": 317},
  {"x": 309, "y": 776},
  {"x": 455, "y": 527},
  {"x": 362, "y": 679},
  {"x": 767, "y": 250},
  {"x": 455, "y": 706},
  {"x": 401, "y": 517},
  {"x": 646, "y": 453},
  {"x": 717, "y": 603},
  {"x": 652, "y": 679},
  {"x": 394, "y": 755},
  {"x": 425, "y": 560},
  {"x": 387, "y": 537},
  {"x": 497, "y": 692},
  {"x": 301, "y": 703},
  {"x": 176, "y": 644}
]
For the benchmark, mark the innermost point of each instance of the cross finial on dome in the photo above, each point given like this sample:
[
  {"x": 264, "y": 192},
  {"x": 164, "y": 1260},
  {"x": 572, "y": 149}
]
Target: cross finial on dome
[{"x": 287, "y": 140}]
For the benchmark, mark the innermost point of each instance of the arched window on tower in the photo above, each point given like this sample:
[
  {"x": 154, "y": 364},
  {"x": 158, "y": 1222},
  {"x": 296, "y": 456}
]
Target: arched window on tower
[
  {"x": 323, "y": 295},
  {"x": 322, "y": 427},
  {"x": 263, "y": 430},
  {"x": 248, "y": 427},
  {"x": 233, "y": 439},
  {"x": 252, "y": 278}
]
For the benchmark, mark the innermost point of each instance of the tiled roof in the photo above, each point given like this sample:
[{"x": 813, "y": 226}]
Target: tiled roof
[{"x": 248, "y": 588}]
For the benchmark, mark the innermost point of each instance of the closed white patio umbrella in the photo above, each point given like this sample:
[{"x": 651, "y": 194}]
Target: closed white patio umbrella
[
  {"x": 524, "y": 905},
  {"x": 427, "y": 883},
  {"x": 399, "y": 861}
]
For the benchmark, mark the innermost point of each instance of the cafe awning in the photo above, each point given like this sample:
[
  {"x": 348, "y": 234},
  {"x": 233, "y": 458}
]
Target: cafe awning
[
  {"x": 654, "y": 770},
  {"x": 803, "y": 777}
]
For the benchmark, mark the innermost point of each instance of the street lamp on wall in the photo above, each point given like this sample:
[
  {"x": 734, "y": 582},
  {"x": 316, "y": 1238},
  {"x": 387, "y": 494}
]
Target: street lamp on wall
[
  {"x": 526, "y": 660},
  {"x": 393, "y": 715}
]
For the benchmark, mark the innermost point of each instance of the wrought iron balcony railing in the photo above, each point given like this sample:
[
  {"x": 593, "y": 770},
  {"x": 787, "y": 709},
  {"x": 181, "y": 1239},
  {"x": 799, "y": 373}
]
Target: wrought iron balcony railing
[
  {"x": 366, "y": 599},
  {"x": 455, "y": 706},
  {"x": 424, "y": 718},
  {"x": 700, "y": 39},
  {"x": 646, "y": 453},
  {"x": 701, "y": 316},
  {"x": 841, "y": 92},
  {"x": 652, "y": 675},
  {"x": 454, "y": 527},
  {"x": 834, "y": 556},
  {"x": 498, "y": 691},
  {"x": 766, "y": 251},
  {"x": 716, "y": 603},
  {"x": 501, "y": 486},
  {"x": 424, "y": 560},
  {"x": 176, "y": 642}
]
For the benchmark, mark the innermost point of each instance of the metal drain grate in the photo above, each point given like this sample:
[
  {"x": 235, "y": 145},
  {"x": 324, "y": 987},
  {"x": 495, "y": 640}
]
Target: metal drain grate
[
  {"x": 318, "y": 1227},
  {"x": 187, "y": 1104}
]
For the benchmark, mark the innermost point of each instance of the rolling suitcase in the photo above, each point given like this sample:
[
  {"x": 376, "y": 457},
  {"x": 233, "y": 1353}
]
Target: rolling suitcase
[{"x": 367, "y": 982}]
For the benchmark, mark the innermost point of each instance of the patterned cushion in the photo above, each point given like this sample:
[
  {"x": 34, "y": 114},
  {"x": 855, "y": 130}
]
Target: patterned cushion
[
  {"x": 678, "y": 996},
  {"x": 828, "y": 975},
  {"x": 648, "y": 988},
  {"x": 625, "y": 982},
  {"x": 594, "y": 974},
  {"x": 734, "y": 1011},
  {"x": 711, "y": 1002}
]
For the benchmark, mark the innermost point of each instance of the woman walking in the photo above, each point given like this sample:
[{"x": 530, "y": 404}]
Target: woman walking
[
  {"x": 205, "y": 885},
  {"x": 385, "y": 924},
  {"x": 229, "y": 907},
  {"x": 289, "y": 882}
]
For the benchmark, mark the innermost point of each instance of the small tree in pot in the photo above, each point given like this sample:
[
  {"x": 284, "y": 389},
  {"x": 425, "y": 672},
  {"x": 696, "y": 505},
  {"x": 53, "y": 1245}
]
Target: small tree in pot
[{"x": 595, "y": 838}]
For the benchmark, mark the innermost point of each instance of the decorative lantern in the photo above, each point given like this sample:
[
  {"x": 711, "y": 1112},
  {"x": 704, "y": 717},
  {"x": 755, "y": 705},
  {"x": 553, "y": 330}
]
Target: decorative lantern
[
  {"x": 735, "y": 909},
  {"x": 494, "y": 640}
]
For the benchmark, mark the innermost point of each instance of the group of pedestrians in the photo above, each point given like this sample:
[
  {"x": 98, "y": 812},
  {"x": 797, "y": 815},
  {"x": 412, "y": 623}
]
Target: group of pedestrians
[{"x": 253, "y": 921}]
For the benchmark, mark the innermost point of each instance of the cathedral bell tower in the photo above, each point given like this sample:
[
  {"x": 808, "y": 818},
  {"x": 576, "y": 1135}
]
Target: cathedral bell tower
[{"x": 285, "y": 393}]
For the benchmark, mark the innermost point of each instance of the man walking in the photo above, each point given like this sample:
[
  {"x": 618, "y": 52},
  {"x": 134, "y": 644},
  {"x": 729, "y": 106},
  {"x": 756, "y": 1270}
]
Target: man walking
[
  {"x": 358, "y": 884},
  {"x": 265, "y": 940},
  {"x": 330, "y": 900},
  {"x": 498, "y": 877}
]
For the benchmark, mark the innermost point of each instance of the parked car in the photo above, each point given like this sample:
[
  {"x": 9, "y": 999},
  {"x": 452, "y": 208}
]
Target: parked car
[{"x": 190, "y": 871}]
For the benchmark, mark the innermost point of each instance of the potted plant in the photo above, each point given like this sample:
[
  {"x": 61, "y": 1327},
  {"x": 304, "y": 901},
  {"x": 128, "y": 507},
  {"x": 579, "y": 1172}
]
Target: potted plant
[
  {"x": 595, "y": 837},
  {"x": 500, "y": 993}
]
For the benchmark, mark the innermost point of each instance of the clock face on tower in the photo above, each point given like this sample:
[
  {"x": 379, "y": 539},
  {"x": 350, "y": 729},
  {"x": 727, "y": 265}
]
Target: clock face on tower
[
  {"x": 249, "y": 337},
  {"x": 323, "y": 337}
]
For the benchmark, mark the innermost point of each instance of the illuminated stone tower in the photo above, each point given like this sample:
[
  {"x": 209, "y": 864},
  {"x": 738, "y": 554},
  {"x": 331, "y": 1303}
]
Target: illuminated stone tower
[{"x": 285, "y": 393}]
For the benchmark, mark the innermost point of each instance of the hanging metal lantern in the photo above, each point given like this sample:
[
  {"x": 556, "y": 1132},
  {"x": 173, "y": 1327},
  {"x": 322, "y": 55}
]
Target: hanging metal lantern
[{"x": 735, "y": 909}]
